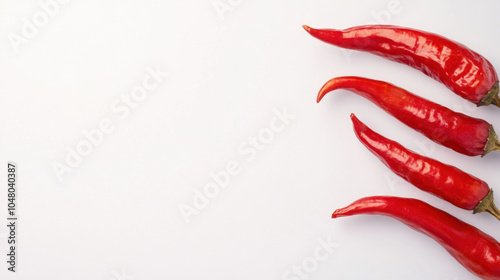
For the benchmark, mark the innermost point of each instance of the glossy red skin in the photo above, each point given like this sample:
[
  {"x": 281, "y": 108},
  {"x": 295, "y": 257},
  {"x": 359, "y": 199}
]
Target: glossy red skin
[
  {"x": 454, "y": 130},
  {"x": 462, "y": 70},
  {"x": 474, "y": 249},
  {"x": 445, "y": 181}
]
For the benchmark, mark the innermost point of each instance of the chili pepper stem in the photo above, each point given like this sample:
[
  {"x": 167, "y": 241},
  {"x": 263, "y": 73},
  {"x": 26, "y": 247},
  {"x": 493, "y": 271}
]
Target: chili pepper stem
[
  {"x": 492, "y": 144},
  {"x": 491, "y": 97},
  {"x": 487, "y": 205}
]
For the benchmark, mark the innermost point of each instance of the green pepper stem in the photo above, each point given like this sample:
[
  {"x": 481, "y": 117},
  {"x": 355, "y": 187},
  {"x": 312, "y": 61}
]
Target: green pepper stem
[
  {"x": 492, "y": 143},
  {"x": 496, "y": 101},
  {"x": 487, "y": 205},
  {"x": 491, "y": 97}
]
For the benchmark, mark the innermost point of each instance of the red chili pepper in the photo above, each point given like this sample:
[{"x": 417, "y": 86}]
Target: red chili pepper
[
  {"x": 445, "y": 181},
  {"x": 462, "y": 70},
  {"x": 474, "y": 249},
  {"x": 464, "y": 134}
]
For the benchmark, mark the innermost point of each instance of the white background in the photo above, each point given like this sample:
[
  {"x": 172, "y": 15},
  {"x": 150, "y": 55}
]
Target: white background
[{"x": 116, "y": 214}]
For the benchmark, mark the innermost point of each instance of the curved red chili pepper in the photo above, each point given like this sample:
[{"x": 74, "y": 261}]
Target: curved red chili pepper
[
  {"x": 462, "y": 70},
  {"x": 474, "y": 249},
  {"x": 464, "y": 134},
  {"x": 445, "y": 181}
]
